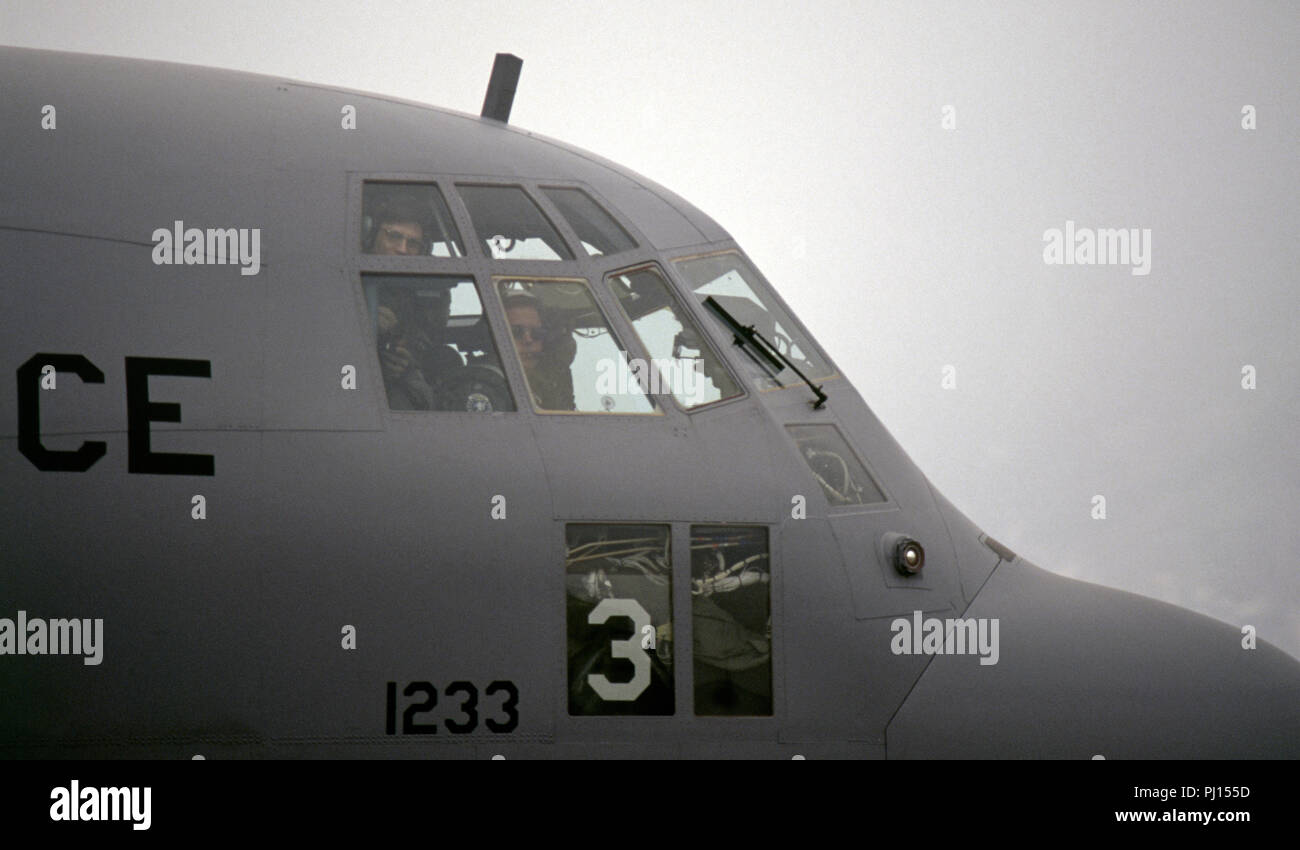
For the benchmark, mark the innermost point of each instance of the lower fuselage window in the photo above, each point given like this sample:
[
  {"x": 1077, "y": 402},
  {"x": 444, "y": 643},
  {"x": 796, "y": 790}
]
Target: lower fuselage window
[
  {"x": 434, "y": 346},
  {"x": 731, "y": 619},
  {"x": 843, "y": 479},
  {"x": 618, "y": 603}
]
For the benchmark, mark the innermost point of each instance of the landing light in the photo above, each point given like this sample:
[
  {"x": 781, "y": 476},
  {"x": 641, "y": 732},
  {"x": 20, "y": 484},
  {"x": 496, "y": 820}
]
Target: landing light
[{"x": 909, "y": 557}]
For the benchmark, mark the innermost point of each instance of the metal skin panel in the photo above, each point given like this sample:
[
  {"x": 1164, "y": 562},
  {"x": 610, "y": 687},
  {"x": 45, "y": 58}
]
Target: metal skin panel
[
  {"x": 663, "y": 225},
  {"x": 326, "y": 509},
  {"x": 975, "y": 561},
  {"x": 107, "y": 301},
  {"x": 183, "y": 602},
  {"x": 1086, "y": 670},
  {"x": 842, "y": 682},
  {"x": 141, "y": 155},
  {"x": 726, "y": 452}
]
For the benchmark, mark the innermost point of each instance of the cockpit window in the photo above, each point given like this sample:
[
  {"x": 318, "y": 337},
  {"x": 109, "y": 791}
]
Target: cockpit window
[
  {"x": 434, "y": 346},
  {"x": 509, "y": 224},
  {"x": 734, "y": 284},
  {"x": 842, "y": 477},
  {"x": 600, "y": 234},
  {"x": 409, "y": 219},
  {"x": 569, "y": 355},
  {"x": 683, "y": 362}
]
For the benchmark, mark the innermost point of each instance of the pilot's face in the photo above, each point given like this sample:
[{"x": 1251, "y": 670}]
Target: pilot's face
[
  {"x": 433, "y": 313},
  {"x": 526, "y": 327},
  {"x": 400, "y": 237}
]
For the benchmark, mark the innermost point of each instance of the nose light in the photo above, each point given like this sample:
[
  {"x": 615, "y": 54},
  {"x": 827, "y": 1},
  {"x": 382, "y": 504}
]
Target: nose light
[{"x": 909, "y": 557}]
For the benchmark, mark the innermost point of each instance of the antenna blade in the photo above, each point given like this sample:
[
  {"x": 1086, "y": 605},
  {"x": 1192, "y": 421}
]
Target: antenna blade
[{"x": 501, "y": 87}]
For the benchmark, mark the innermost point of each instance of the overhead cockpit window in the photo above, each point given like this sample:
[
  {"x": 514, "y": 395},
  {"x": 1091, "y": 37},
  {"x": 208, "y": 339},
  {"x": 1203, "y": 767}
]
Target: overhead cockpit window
[
  {"x": 841, "y": 475},
  {"x": 409, "y": 219},
  {"x": 682, "y": 361},
  {"x": 434, "y": 345},
  {"x": 569, "y": 355},
  {"x": 599, "y": 232},
  {"x": 618, "y": 583},
  {"x": 510, "y": 226},
  {"x": 731, "y": 620},
  {"x": 736, "y": 287}
]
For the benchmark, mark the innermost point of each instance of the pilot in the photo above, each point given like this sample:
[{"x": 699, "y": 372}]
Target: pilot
[
  {"x": 398, "y": 224},
  {"x": 542, "y": 353},
  {"x": 438, "y": 360},
  {"x": 403, "y": 378}
]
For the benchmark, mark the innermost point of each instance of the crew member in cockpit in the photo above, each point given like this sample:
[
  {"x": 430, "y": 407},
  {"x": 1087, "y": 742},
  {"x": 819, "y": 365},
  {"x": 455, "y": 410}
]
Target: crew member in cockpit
[
  {"x": 398, "y": 224},
  {"x": 403, "y": 378},
  {"x": 541, "y": 352},
  {"x": 426, "y": 337}
]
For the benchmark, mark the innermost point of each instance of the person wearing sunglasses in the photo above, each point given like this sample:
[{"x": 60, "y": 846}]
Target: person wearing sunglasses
[{"x": 549, "y": 381}]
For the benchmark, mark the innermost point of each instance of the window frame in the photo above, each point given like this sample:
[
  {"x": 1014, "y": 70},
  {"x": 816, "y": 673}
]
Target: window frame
[
  {"x": 547, "y": 216},
  {"x": 673, "y": 619},
  {"x": 670, "y": 728},
  {"x": 677, "y": 300},
  {"x": 616, "y": 333},
  {"x": 357, "y": 260},
  {"x": 888, "y": 504},
  {"x": 372, "y": 342},
  {"x": 485, "y": 272},
  {"x": 768, "y": 544},
  {"x": 540, "y": 194},
  {"x": 766, "y": 289}
]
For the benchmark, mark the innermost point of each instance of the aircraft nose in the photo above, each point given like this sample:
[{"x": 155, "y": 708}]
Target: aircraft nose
[{"x": 1084, "y": 670}]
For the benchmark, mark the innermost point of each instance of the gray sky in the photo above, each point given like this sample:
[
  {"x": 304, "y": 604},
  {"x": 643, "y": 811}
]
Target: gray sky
[{"x": 813, "y": 133}]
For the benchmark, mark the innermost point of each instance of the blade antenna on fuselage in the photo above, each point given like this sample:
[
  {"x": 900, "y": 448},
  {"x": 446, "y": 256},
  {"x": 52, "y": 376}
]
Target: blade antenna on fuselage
[{"x": 501, "y": 87}]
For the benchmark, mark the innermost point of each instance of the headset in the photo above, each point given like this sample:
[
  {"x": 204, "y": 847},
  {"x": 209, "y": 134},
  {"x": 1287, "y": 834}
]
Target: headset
[{"x": 390, "y": 206}]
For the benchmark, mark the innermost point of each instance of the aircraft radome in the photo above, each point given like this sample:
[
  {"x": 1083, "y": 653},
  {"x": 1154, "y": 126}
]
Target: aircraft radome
[{"x": 338, "y": 425}]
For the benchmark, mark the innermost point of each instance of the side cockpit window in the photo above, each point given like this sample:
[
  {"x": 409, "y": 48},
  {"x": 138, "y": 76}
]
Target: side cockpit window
[
  {"x": 570, "y": 356},
  {"x": 735, "y": 286},
  {"x": 434, "y": 346},
  {"x": 682, "y": 361},
  {"x": 407, "y": 219}
]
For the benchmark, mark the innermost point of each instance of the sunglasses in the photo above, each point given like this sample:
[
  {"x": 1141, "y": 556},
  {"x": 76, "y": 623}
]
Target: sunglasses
[{"x": 528, "y": 331}]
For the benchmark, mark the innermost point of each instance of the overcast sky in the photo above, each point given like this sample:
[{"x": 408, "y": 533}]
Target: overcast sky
[{"x": 814, "y": 134}]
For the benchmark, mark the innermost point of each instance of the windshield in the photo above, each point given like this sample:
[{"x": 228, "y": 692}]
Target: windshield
[
  {"x": 570, "y": 357},
  {"x": 682, "y": 362},
  {"x": 734, "y": 284}
]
